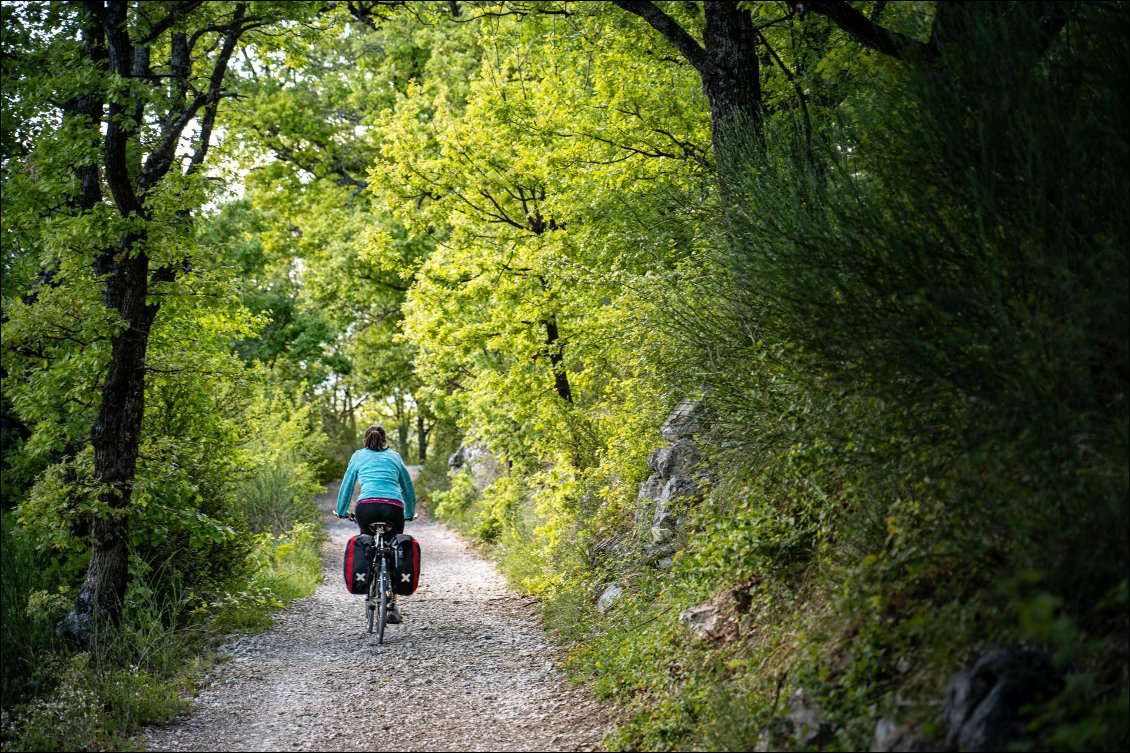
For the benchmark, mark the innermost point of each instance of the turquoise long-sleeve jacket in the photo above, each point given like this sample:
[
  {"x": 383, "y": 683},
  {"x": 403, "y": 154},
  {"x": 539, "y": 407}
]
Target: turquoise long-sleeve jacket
[{"x": 382, "y": 474}]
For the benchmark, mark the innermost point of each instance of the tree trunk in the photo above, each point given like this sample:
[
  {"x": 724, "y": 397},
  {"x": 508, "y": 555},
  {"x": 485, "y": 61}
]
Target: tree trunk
[
  {"x": 350, "y": 419},
  {"x": 727, "y": 64},
  {"x": 422, "y": 435},
  {"x": 733, "y": 79},
  {"x": 553, "y": 343},
  {"x": 116, "y": 438},
  {"x": 125, "y": 270},
  {"x": 402, "y": 425}
]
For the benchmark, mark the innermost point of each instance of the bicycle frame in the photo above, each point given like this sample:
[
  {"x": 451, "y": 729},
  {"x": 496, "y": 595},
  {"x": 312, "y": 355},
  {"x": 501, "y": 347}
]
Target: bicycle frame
[
  {"x": 380, "y": 581},
  {"x": 380, "y": 578}
]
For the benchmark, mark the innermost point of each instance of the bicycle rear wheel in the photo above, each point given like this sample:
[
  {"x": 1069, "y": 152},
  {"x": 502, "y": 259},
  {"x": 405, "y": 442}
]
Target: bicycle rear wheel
[
  {"x": 384, "y": 587},
  {"x": 371, "y": 600}
]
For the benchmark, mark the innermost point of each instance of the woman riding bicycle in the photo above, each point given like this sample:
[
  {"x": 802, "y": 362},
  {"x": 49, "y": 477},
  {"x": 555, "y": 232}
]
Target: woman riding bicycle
[{"x": 387, "y": 493}]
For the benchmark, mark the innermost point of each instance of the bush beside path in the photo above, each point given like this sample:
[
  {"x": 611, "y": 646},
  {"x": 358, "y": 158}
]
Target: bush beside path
[{"x": 469, "y": 669}]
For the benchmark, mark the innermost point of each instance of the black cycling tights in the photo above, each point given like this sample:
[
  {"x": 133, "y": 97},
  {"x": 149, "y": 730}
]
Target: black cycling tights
[{"x": 373, "y": 512}]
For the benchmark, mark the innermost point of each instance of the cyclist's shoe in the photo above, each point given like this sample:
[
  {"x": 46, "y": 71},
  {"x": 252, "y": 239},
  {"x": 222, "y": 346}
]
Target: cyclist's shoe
[{"x": 393, "y": 616}]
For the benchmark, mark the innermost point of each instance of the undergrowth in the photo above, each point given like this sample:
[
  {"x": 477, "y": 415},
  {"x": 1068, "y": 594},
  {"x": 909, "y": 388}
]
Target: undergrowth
[{"x": 141, "y": 672}]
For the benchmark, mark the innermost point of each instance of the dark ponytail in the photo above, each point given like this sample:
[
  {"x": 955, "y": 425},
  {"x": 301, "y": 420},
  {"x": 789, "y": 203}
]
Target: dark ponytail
[{"x": 375, "y": 438}]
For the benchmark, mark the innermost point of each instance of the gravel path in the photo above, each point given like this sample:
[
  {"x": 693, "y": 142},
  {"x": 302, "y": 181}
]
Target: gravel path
[{"x": 469, "y": 669}]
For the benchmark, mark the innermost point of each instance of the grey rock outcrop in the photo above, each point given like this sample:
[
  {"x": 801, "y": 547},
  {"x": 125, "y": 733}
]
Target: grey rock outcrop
[
  {"x": 892, "y": 738},
  {"x": 609, "y": 598},
  {"x": 649, "y": 492},
  {"x": 687, "y": 420},
  {"x": 983, "y": 704},
  {"x": 485, "y": 467},
  {"x": 455, "y": 460},
  {"x": 809, "y": 727},
  {"x": 678, "y": 459},
  {"x": 675, "y": 477},
  {"x": 720, "y": 618},
  {"x": 702, "y": 620}
]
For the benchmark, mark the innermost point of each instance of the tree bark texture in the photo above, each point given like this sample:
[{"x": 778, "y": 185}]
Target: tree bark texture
[
  {"x": 116, "y": 439},
  {"x": 402, "y": 426},
  {"x": 733, "y": 81}
]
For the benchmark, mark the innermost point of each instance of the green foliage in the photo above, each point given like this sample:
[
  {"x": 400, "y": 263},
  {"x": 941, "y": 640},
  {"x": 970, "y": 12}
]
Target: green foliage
[
  {"x": 929, "y": 285},
  {"x": 451, "y": 504},
  {"x": 910, "y": 329},
  {"x": 277, "y": 494},
  {"x": 283, "y": 567},
  {"x": 902, "y": 354},
  {"x": 28, "y": 608},
  {"x": 281, "y": 451},
  {"x": 532, "y": 282},
  {"x": 325, "y": 267}
]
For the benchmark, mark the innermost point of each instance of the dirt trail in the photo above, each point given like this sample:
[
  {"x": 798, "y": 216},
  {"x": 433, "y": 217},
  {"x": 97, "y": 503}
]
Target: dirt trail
[{"x": 470, "y": 669}]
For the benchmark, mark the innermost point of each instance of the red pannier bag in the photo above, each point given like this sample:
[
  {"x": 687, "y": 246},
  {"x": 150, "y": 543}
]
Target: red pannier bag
[
  {"x": 358, "y": 563},
  {"x": 406, "y": 564}
]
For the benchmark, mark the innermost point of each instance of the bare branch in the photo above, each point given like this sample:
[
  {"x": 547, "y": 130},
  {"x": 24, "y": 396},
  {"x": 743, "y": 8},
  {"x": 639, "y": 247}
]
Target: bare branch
[
  {"x": 369, "y": 12},
  {"x": 119, "y": 127},
  {"x": 865, "y": 31},
  {"x": 687, "y": 46},
  {"x": 215, "y": 86}
]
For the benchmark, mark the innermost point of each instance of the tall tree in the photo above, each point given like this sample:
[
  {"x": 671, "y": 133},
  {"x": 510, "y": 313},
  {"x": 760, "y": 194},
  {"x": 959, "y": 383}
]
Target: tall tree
[
  {"x": 1040, "y": 22},
  {"x": 141, "y": 95}
]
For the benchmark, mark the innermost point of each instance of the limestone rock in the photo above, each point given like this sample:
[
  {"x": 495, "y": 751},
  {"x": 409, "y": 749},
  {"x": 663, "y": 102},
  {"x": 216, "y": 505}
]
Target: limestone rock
[
  {"x": 659, "y": 551},
  {"x": 455, "y": 460},
  {"x": 891, "y": 738},
  {"x": 485, "y": 467},
  {"x": 687, "y": 420},
  {"x": 677, "y": 459},
  {"x": 652, "y": 488},
  {"x": 983, "y": 704},
  {"x": 645, "y": 502},
  {"x": 807, "y": 720},
  {"x": 702, "y": 620},
  {"x": 680, "y": 487},
  {"x": 609, "y": 598}
]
